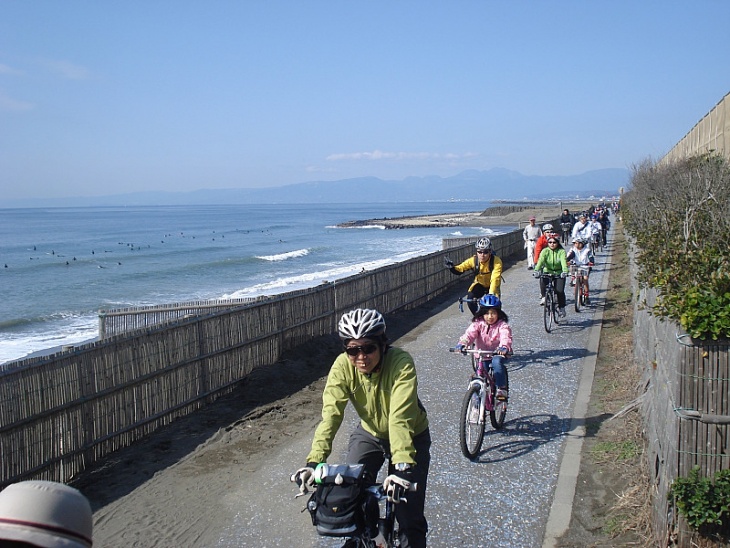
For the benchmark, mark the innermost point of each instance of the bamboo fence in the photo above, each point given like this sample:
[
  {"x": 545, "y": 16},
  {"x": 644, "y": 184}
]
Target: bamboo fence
[{"x": 686, "y": 410}]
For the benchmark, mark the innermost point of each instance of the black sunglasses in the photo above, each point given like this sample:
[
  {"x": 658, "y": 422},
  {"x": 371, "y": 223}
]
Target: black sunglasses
[
  {"x": 364, "y": 349},
  {"x": 484, "y": 252},
  {"x": 552, "y": 241}
]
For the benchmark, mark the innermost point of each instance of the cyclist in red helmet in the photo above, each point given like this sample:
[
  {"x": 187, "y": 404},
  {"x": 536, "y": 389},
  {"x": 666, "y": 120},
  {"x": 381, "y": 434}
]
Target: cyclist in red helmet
[{"x": 547, "y": 231}]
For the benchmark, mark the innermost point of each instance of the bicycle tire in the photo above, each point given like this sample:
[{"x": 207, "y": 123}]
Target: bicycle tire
[
  {"x": 547, "y": 311},
  {"x": 578, "y": 293},
  {"x": 499, "y": 411},
  {"x": 471, "y": 433},
  {"x": 556, "y": 315}
]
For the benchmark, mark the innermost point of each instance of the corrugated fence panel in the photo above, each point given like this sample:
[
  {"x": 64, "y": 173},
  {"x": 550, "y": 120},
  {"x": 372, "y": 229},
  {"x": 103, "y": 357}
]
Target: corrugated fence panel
[{"x": 711, "y": 133}]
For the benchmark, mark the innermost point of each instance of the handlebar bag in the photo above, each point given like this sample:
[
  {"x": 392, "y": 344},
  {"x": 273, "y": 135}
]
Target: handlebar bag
[{"x": 337, "y": 504}]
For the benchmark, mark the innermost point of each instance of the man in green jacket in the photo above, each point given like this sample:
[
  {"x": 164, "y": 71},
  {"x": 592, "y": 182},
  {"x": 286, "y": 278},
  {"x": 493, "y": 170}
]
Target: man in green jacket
[{"x": 381, "y": 383}]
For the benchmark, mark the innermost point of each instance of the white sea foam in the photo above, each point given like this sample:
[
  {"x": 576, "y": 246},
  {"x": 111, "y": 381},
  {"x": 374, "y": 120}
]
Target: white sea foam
[
  {"x": 72, "y": 330},
  {"x": 284, "y": 256},
  {"x": 327, "y": 273}
]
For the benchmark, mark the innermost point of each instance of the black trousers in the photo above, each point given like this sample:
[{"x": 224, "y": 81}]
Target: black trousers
[
  {"x": 364, "y": 448},
  {"x": 559, "y": 290},
  {"x": 477, "y": 292}
]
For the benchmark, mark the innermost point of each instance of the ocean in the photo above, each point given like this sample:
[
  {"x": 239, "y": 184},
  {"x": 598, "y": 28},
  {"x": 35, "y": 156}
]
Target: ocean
[{"x": 60, "y": 266}]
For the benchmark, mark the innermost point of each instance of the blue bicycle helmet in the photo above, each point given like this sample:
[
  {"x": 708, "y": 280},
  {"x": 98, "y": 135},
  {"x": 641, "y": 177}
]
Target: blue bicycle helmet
[{"x": 490, "y": 301}]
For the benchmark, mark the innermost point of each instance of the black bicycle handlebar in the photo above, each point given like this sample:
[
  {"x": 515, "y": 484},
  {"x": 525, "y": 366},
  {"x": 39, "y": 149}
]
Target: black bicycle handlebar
[{"x": 463, "y": 300}]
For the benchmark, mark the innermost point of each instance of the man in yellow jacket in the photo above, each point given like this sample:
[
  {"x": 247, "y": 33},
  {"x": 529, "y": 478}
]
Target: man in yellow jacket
[{"x": 487, "y": 269}]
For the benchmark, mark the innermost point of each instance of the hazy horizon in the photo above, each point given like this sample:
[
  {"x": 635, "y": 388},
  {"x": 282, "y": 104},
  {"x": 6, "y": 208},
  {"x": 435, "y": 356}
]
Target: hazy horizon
[{"x": 100, "y": 98}]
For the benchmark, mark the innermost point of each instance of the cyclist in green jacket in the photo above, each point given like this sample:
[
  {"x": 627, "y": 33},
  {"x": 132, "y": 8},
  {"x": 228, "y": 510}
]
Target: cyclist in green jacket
[
  {"x": 381, "y": 383},
  {"x": 553, "y": 261}
]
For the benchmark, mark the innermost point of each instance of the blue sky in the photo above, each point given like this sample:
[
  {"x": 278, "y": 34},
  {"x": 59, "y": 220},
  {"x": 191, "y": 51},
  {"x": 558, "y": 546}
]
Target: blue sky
[{"x": 109, "y": 97}]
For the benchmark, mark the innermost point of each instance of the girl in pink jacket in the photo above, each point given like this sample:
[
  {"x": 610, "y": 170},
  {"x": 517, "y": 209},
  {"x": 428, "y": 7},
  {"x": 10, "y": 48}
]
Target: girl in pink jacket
[{"x": 490, "y": 330}]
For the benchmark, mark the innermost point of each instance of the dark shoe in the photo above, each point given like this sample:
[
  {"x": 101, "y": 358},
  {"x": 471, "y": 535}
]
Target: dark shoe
[{"x": 529, "y": 268}]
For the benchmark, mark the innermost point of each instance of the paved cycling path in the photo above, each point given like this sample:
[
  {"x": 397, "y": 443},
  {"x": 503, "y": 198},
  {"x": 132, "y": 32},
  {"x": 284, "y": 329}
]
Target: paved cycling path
[{"x": 519, "y": 490}]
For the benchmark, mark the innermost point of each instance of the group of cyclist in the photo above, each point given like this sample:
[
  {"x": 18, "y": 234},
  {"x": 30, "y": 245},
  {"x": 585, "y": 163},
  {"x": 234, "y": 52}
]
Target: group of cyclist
[
  {"x": 550, "y": 257},
  {"x": 381, "y": 382}
]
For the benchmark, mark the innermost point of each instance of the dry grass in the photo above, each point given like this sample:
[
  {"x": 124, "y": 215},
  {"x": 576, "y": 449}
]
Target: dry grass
[
  {"x": 613, "y": 485},
  {"x": 629, "y": 516}
]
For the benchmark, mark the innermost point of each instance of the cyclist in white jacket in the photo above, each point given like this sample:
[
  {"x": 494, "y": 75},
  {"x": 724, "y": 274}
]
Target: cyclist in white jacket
[
  {"x": 582, "y": 229},
  {"x": 580, "y": 255}
]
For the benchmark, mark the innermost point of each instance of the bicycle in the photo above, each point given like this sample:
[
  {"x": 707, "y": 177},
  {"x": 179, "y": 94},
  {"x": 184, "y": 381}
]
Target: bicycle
[
  {"x": 550, "y": 310},
  {"x": 579, "y": 276},
  {"x": 566, "y": 232},
  {"x": 596, "y": 244},
  {"x": 480, "y": 398},
  {"x": 359, "y": 518}
]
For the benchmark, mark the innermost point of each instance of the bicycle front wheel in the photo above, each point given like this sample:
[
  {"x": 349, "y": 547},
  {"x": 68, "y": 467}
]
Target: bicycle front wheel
[
  {"x": 547, "y": 311},
  {"x": 471, "y": 431},
  {"x": 578, "y": 293}
]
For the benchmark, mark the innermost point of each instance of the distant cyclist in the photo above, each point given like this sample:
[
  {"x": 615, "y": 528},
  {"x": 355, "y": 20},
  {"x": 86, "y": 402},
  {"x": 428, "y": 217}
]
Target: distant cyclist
[
  {"x": 596, "y": 230},
  {"x": 566, "y": 225},
  {"x": 603, "y": 218},
  {"x": 582, "y": 228},
  {"x": 490, "y": 330},
  {"x": 580, "y": 255},
  {"x": 553, "y": 260},
  {"x": 380, "y": 381},
  {"x": 487, "y": 269}
]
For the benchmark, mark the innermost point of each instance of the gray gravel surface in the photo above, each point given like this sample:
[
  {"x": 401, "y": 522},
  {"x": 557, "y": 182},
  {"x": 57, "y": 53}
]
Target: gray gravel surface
[{"x": 503, "y": 497}]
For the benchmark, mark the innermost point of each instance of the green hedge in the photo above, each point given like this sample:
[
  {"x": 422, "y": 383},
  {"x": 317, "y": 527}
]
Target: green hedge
[{"x": 679, "y": 215}]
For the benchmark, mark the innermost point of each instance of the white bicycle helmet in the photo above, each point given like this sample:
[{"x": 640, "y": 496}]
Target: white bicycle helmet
[
  {"x": 547, "y": 227},
  {"x": 361, "y": 323},
  {"x": 484, "y": 244}
]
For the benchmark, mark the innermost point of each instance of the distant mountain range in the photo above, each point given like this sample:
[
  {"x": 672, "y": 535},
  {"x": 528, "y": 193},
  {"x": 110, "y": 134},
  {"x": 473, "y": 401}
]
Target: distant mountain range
[{"x": 494, "y": 184}]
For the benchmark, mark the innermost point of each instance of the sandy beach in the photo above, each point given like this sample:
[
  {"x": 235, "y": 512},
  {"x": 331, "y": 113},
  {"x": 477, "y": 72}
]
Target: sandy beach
[{"x": 491, "y": 216}]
